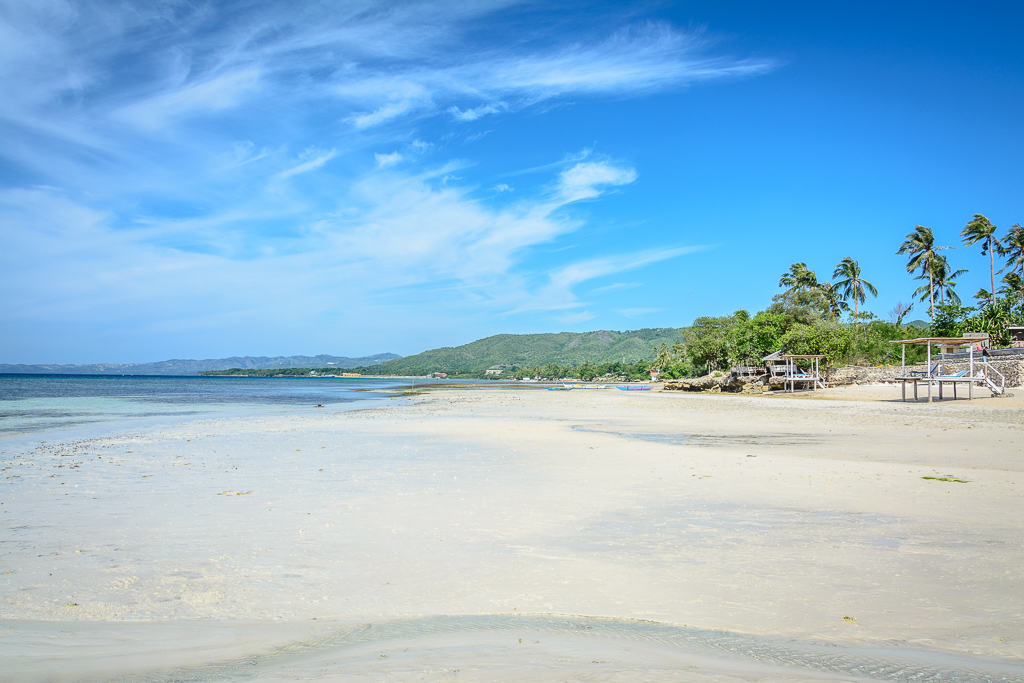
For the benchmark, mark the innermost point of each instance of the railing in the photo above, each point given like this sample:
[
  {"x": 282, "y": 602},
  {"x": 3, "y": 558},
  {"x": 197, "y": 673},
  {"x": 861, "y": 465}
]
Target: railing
[
  {"x": 994, "y": 354},
  {"x": 1002, "y": 380},
  {"x": 796, "y": 374}
]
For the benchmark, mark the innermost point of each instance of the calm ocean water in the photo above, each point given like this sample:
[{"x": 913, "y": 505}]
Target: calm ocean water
[{"x": 35, "y": 403}]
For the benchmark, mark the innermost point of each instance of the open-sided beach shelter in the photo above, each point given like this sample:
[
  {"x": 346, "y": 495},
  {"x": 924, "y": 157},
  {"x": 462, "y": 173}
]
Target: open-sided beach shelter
[
  {"x": 810, "y": 376},
  {"x": 782, "y": 364},
  {"x": 976, "y": 373},
  {"x": 776, "y": 363}
]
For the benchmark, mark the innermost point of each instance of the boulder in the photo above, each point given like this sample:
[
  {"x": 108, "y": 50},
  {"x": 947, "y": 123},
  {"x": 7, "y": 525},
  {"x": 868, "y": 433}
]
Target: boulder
[{"x": 723, "y": 382}]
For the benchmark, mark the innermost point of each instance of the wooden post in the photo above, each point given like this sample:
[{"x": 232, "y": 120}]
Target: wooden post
[
  {"x": 903, "y": 369},
  {"x": 928, "y": 371},
  {"x": 970, "y": 385}
]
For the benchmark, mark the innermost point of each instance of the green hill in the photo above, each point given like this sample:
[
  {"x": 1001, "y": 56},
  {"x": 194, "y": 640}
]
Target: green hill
[{"x": 527, "y": 350}]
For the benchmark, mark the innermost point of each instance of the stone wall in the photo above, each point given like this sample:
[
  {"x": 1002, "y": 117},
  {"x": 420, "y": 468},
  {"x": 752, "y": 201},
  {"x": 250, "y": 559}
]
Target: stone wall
[
  {"x": 1013, "y": 370},
  {"x": 855, "y": 374}
]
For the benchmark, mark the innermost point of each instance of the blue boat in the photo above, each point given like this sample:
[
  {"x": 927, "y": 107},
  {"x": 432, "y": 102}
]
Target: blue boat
[{"x": 633, "y": 388}]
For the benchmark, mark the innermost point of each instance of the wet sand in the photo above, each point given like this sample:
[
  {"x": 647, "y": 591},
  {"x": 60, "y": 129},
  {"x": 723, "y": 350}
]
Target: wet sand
[{"x": 787, "y": 524}]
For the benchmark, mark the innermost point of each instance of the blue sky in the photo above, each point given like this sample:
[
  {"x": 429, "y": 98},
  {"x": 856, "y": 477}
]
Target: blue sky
[{"x": 196, "y": 180}]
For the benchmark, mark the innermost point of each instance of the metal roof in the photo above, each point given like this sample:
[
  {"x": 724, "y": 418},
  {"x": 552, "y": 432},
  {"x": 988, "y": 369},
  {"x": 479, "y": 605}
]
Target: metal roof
[{"x": 941, "y": 341}]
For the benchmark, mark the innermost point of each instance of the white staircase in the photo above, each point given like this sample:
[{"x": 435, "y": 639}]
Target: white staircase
[{"x": 997, "y": 389}]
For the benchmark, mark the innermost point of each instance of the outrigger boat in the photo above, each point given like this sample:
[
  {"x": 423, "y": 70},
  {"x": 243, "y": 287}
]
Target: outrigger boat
[{"x": 633, "y": 388}]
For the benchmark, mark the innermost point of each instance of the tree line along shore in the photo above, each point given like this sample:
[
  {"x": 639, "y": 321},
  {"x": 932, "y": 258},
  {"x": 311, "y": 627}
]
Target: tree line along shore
[{"x": 810, "y": 316}]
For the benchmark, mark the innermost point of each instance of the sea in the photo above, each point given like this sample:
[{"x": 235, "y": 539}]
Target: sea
[{"x": 75, "y": 403}]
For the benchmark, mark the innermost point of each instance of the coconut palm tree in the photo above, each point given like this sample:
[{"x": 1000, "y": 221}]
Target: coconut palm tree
[
  {"x": 799, "y": 278},
  {"x": 941, "y": 279},
  {"x": 853, "y": 286},
  {"x": 1013, "y": 249},
  {"x": 920, "y": 247},
  {"x": 980, "y": 229},
  {"x": 1013, "y": 285},
  {"x": 984, "y": 297},
  {"x": 836, "y": 304}
]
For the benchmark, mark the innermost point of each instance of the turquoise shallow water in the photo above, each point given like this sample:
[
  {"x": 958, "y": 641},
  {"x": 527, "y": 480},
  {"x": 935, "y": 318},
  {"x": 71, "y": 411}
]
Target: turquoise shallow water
[{"x": 37, "y": 403}]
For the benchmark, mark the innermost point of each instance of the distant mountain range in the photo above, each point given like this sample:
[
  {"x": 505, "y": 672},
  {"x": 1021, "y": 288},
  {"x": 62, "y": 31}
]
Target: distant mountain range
[
  {"x": 527, "y": 350},
  {"x": 502, "y": 350},
  {"x": 191, "y": 367}
]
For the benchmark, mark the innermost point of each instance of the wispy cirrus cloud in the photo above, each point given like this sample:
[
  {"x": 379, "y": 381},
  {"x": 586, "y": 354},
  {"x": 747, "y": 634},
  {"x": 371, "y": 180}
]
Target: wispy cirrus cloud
[
  {"x": 408, "y": 236},
  {"x": 212, "y": 95},
  {"x": 380, "y": 115},
  {"x": 152, "y": 65},
  {"x": 385, "y": 160},
  {"x": 315, "y": 159},
  {"x": 154, "y": 141},
  {"x": 558, "y": 293},
  {"x": 636, "y": 59},
  {"x": 614, "y": 286},
  {"x": 586, "y": 179},
  {"x": 473, "y": 114}
]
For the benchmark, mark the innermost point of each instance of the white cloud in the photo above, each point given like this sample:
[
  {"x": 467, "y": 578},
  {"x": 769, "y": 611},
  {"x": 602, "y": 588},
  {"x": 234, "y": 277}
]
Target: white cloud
[
  {"x": 214, "y": 94},
  {"x": 472, "y": 114},
  {"x": 384, "y": 113},
  {"x": 243, "y": 153},
  {"x": 385, "y": 160},
  {"x": 167, "y": 223},
  {"x": 319, "y": 158},
  {"x": 407, "y": 246},
  {"x": 585, "y": 179},
  {"x": 558, "y": 292},
  {"x": 635, "y": 58},
  {"x": 479, "y": 135},
  {"x": 615, "y": 286}
]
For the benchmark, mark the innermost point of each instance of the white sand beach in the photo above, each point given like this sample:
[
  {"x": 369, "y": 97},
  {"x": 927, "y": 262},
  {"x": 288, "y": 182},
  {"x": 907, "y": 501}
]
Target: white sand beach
[{"x": 520, "y": 534}]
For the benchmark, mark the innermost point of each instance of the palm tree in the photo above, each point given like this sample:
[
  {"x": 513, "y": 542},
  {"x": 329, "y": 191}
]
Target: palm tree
[
  {"x": 1013, "y": 249},
  {"x": 835, "y": 302},
  {"x": 799, "y": 278},
  {"x": 942, "y": 280},
  {"x": 853, "y": 286},
  {"x": 980, "y": 229},
  {"x": 984, "y": 297},
  {"x": 920, "y": 246},
  {"x": 1012, "y": 284}
]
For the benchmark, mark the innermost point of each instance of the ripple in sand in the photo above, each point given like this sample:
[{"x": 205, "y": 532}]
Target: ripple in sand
[{"x": 537, "y": 647}]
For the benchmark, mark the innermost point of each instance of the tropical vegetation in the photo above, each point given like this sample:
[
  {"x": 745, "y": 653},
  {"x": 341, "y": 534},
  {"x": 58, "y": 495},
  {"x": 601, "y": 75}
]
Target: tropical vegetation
[{"x": 814, "y": 317}]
